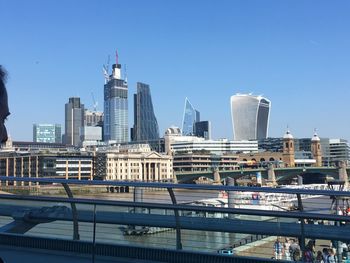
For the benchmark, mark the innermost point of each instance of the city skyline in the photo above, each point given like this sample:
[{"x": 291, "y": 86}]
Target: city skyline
[{"x": 296, "y": 54}]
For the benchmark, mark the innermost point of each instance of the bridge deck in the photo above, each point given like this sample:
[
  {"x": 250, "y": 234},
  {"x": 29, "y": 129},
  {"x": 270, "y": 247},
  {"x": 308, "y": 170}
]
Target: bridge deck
[{"x": 17, "y": 255}]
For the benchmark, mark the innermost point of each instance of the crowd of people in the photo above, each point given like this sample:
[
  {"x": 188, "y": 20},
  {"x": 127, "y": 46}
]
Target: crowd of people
[{"x": 289, "y": 249}]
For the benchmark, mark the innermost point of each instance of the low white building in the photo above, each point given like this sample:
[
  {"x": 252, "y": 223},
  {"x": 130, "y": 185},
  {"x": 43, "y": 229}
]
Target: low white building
[
  {"x": 175, "y": 142},
  {"x": 134, "y": 163}
]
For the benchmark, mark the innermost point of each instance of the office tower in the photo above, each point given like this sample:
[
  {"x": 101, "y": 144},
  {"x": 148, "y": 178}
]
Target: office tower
[
  {"x": 191, "y": 115},
  {"x": 250, "y": 117},
  {"x": 115, "y": 107},
  {"x": 74, "y": 120},
  {"x": 145, "y": 122},
  {"x": 49, "y": 133},
  {"x": 202, "y": 129},
  {"x": 339, "y": 150}
]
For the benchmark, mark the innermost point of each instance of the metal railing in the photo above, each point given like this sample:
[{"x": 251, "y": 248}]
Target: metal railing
[{"x": 161, "y": 220}]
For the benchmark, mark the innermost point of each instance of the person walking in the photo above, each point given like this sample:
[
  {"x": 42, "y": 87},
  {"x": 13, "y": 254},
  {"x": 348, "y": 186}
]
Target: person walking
[
  {"x": 309, "y": 253},
  {"x": 278, "y": 249},
  {"x": 286, "y": 247}
]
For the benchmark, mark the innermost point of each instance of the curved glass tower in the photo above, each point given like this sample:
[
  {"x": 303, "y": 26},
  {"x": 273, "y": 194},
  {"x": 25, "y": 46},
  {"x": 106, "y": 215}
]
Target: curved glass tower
[
  {"x": 145, "y": 122},
  {"x": 250, "y": 117},
  {"x": 115, "y": 125},
  {"x": 190, "y": 117}
]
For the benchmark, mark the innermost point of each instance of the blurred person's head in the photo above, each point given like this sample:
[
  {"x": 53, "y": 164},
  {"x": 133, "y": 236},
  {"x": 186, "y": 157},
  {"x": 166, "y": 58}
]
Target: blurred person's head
[{"x": 4, "y": 108}]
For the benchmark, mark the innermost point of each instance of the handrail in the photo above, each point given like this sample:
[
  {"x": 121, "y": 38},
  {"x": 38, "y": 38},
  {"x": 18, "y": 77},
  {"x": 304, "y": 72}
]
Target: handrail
[
  {"x": 179, "y": 186},
  {"x": 284, "y": 214}
]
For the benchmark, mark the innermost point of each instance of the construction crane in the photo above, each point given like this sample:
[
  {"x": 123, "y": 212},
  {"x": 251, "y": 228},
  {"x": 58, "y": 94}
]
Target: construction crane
[
  {"x": 105, "y": 69},
  {"x": 94, "y": 101}
]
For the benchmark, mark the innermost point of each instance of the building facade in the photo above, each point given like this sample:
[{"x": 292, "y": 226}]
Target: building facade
[
  {"x": 194, "y": 162},
  {"x": 93, "y": 118},
  {"x": 90, "y": 135},
  {"x": 202, "y": 129},
  {"x": 250, "y": 116},
  {"x": 331, "y": 150},
  {"x": 74, "y": 120},
  {"x": 115, "y": 125},
  {"x": 190, "y": 116},
  {"x": 134, "y": 164},
  {"x": 339, "y": 151},
  {"x": 49, "y": 133},
  {"x": 175, "y": 143},
  {"x": 46, "y": 165},
  {"x": 145, "y": 122}
]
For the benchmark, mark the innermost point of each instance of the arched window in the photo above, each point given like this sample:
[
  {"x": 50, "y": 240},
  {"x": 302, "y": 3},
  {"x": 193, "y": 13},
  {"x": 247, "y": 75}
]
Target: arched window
[
  {"x": 262, "y": 159},
  {"x": 287, "y": 145},
  {"x": 244, "y": 160},
  {"x": 271, "y": 159}
]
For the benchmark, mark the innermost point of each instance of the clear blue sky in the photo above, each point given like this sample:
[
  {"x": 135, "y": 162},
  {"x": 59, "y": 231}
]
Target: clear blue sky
[{"x": 296, "y": 53}]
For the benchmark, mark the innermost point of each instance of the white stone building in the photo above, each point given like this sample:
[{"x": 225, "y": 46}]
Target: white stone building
[{"x": 129, "y": 164}]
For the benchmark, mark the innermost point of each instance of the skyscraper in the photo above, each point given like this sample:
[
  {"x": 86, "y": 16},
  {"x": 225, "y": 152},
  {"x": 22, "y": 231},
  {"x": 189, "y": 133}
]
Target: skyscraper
[
  {"x": 202, "y": 129},
  {"x": 191, "y": 115},
  {"x": 50, "y": 133},
  {"x": 145, "y": 122},
  {"x": 115, "y": 107},
  {"x": 74, "y": 120},
  {"x": 250, "y": 116}
]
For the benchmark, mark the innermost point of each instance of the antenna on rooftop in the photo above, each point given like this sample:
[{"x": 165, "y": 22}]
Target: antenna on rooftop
[
  {"x": 125, "y": 74},
  {"x": 116, "y": 57}
]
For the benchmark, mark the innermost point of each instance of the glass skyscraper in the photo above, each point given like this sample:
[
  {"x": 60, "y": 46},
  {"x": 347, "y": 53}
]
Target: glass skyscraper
[
  {"x": 202, "y": 129},
  {"x": 74, "y": 120},
  {"x": 145, "y": 122},
  {"x": 191, "y": 115},
  {"x": 115, "y": 107},
  {"x": 250, "y": 117},
  {"x": 49, "y": 133}
]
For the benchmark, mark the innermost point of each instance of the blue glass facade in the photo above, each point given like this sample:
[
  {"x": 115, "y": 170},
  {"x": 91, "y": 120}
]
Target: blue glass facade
[
  {"x": 116, "y": 108},
  {"x": 191, "y": 115},
  {"x": 48, "y": 133},
  {"x": 145, "y": 122}
]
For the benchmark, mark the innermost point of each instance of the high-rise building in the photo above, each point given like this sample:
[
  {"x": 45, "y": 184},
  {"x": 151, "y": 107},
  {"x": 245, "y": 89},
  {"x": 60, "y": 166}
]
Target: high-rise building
[
  {"x": 191, "y": 115},
  {"x": 50, "y": 133},
  {"x": 145, "y": 122},
  {"x": 115, "y": 107},
  {"x": 74, "y": 120},
  {"x": 250, "y": 116},
  {"x": 339, "y": 150},
  {"x": 202, "y": 129}
]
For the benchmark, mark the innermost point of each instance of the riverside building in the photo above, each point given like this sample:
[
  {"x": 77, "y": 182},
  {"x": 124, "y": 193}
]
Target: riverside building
[
  {"x": 133, "y": 163},
  {"x": 44, "y": 164}
]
